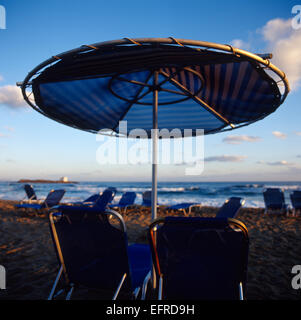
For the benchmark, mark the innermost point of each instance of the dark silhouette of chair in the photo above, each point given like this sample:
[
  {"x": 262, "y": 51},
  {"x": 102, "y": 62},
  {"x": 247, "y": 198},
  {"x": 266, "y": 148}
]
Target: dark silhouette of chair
[
  {"x": 93, "y": 252},
  {"x": 53, "y": 199},
  {"x": 31, "y": 195},
  {"x": 274, "y": 201},
  {"x": 127, "y": 200},
  {"x": 296, "y": 202},
  {"x": 230, "y": 208},
  {"x": 199, "y": 258}
]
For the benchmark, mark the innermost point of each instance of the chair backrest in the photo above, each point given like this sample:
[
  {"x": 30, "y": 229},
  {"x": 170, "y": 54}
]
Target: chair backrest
[
  {"x": 230, "y": 208},
  {"x": 200, "y": 258},
  {"x": 296, "y": 199},
  {"x": 93, "y": 198},
  {"x": 147, "y": 198},
  {"x": 54, "y": 197},
  {"x": 91, "y": 250},
  {"x": 105, "y": 198},
  {"x": 113, "y": 190},
  {"x": 128, "y": 198},
  {"x": 30, "y": 192},
  {"x": 274, "y": 198}
]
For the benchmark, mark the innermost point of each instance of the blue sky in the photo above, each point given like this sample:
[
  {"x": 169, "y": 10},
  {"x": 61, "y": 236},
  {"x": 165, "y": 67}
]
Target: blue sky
[{"x": 35, "y": 147}]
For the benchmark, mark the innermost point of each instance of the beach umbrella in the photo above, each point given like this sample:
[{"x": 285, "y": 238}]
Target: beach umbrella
[{"x": 156, "y": 83}]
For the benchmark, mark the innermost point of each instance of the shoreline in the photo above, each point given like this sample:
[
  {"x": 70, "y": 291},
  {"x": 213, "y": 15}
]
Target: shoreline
[{"x": 27, "y": 252}]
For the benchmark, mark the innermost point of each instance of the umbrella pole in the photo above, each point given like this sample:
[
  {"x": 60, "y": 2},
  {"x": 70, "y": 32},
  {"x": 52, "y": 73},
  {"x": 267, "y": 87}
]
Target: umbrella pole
[
  {"x": 155, "y": 146},
  {"x": 154, "y": 162}
]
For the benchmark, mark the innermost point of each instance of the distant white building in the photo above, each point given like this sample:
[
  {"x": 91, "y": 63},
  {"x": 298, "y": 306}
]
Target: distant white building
[{"x": 64, "y": 179}]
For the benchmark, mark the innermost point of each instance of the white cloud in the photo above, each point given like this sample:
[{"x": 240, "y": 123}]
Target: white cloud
[
  {"x": 1, "y": 78},
  {"x": 279, "y": 134},
  {"x": 226, "y": 158},
  {"x": 240, "y": 139},
  {"x": 285, "y": 44},
  {"x": 238, "y": 43},
  {"x": 280, "y": 163},
  {"x": 298, "y": 133},
  {"x": 11, "y": 96}
]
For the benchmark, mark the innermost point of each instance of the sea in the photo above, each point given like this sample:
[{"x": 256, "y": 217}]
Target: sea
[{"x": 206, "y": 193}]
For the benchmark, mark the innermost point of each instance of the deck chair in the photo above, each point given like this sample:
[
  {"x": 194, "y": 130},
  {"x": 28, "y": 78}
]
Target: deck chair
[
  {"x": 199, "y": 258},
  {"x": 127, "y": 200},
  {"x": 296, "y": 202},
  {"x": 147, "y": 199},
  {"x": 93, "y": 253},
  {"x": 274, "y": 201},
  {"x": 230, "y": 208},
  {"x": 184, "y": 207},
  {"x": 31, "y": 195},
  {"x": 53, "y": 199}
]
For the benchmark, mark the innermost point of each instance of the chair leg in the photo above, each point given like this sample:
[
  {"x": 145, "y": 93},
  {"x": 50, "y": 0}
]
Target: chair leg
[
  {"x": 69, "y": 294},
  {"x": 50, "y": 297}
]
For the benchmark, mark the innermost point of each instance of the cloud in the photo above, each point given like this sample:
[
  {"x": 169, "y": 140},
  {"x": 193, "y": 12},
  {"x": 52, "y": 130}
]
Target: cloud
[
  {"x": 285, "y": 44},
  {"x": 280, "y": 163},
  {"x": 1, "y": 78},
  {"x": 225, "y": 158},
  {"x": 298, "y": 133},
  {"x": 279, "y": 134},
  {"x": 298, "y": 156},
  {"x": 240, "y": 139},
  {"x": 238, "y": 43},
  {"x": 11, "y": 96}
]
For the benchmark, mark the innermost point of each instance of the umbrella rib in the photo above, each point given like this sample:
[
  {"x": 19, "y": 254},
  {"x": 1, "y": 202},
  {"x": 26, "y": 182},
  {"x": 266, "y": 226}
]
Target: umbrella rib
[
  {"x": 134, "y": 82},
  {"x": 197, "y": 99},
  {"x": 175, "y": 92},
  {"x": 134, "y": 100}
]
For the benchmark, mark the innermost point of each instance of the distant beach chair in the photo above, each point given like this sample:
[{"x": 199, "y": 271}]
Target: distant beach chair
[
  {"x": 184, "y": 207},
  {"x": 93, "y": 253},
  {"x": 53, "y": 199},
  {"x": 31, "y": 195},
  {"x": 147, "y": 199},
  {"x": 274, "y": 201},
  {"x": 230, "y": 208},
  {"x": 98, "y": 201},
  {"x": 127, "y": 200},
  {"x": 199, "y": 258},
  {"x": 296, "y": 202}
]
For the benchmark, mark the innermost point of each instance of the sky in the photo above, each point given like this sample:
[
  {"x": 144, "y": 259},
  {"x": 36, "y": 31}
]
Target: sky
[{"x": 33, "y": 146}]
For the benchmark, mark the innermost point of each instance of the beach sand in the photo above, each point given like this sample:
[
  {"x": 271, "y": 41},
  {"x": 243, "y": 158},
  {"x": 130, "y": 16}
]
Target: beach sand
[{"x": 27, "y": 253}]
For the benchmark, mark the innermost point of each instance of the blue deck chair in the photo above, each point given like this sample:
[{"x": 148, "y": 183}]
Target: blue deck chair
[
  {"x": 94, "y": 254},
  {"x": 199, "y": 258},
  {"x": 230, "y": 208},
  {"x": 184, "y": 206},
  {"x": 53, "y": 199},
  {"x": 274, "y": 201},
  {"x": 296, "y": 202},
  {"x": 98, "y": 200},
  {"x": 31, "y": 195},
  {"x": 127, "y": 200},
  {"x": 147, "y": 199}
]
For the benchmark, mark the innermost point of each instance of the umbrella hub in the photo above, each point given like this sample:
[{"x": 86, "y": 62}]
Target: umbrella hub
[{"x": 174, "y": 85}]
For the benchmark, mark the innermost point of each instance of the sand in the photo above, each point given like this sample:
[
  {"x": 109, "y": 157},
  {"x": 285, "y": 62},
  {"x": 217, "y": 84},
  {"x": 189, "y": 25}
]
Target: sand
[{"x": 27, "y": 253}]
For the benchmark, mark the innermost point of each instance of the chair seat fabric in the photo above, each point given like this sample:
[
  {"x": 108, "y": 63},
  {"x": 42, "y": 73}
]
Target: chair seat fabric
[{"x": 140, "y": 262}]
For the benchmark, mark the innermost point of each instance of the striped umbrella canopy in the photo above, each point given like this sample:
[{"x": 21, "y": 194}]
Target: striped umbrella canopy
[{"x": 156, "y": 84}]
